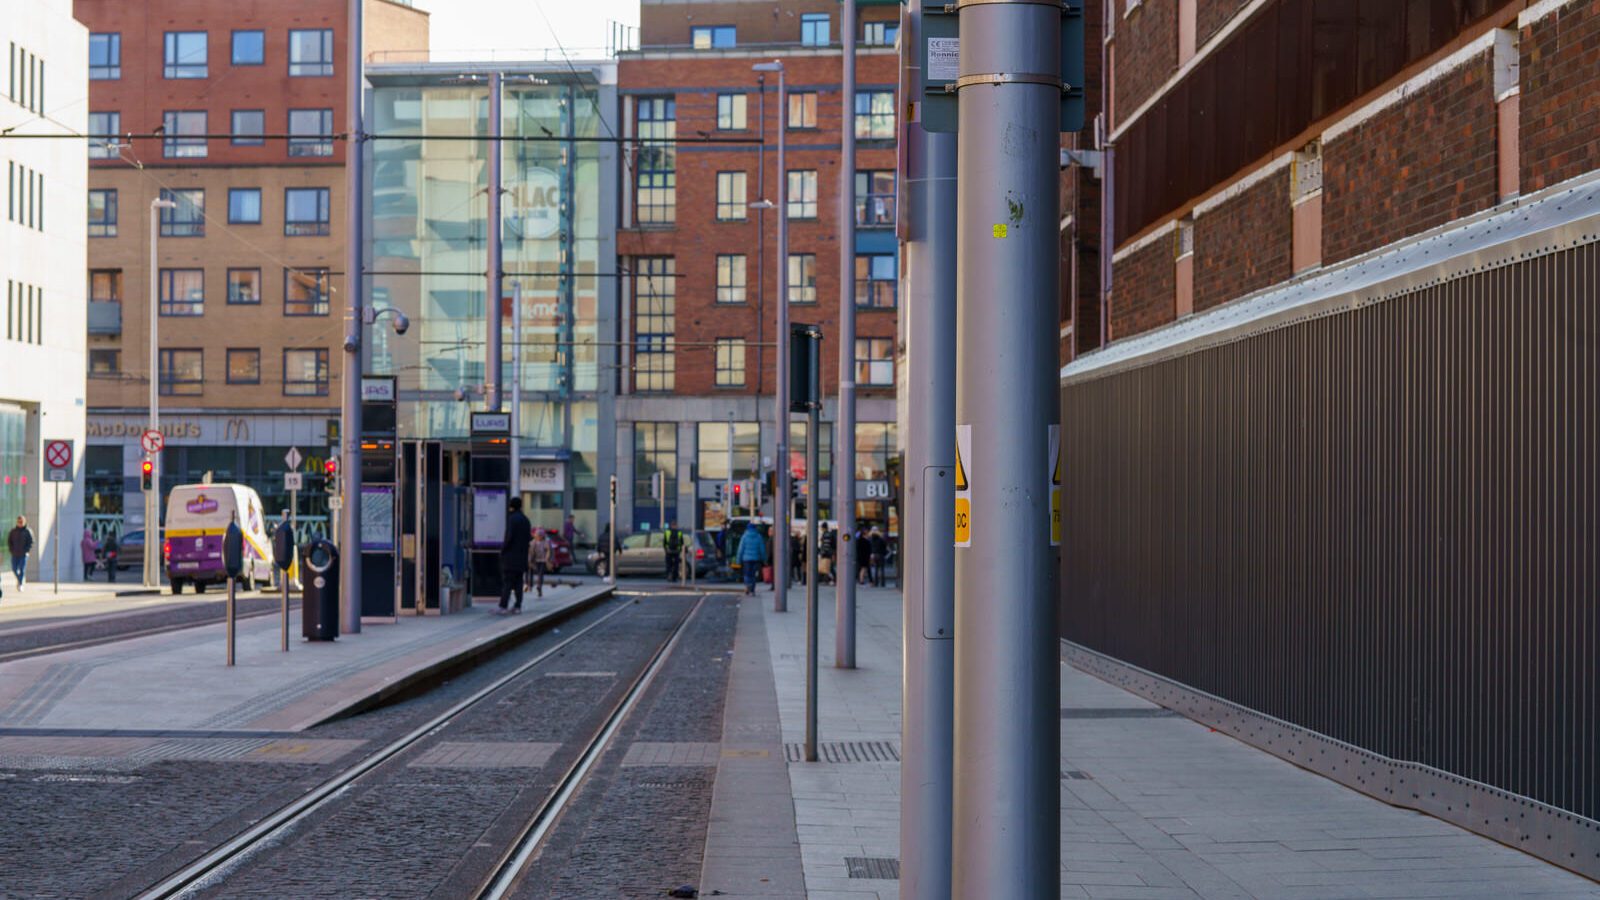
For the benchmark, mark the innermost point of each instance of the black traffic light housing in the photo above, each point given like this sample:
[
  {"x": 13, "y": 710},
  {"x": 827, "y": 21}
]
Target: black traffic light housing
[{"x": 147, "y": 471}]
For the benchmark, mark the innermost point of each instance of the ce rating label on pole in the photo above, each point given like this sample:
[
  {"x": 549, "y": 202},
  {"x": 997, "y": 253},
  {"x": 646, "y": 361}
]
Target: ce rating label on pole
[
  {"x": 963, "y": 486},
  {"x": 1055, "y": 485}
]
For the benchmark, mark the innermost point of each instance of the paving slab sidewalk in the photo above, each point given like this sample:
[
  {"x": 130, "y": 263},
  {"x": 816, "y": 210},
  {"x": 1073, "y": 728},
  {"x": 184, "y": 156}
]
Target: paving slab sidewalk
[{"x": 1152, "y": 804}]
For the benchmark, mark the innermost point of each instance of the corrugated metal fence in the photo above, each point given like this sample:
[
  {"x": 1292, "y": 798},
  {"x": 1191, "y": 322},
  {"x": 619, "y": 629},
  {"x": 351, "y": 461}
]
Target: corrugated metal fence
[{"x": 1379, "y": 525}]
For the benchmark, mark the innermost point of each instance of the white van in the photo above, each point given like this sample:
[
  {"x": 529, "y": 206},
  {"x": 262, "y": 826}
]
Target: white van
[{"x": 197, "y": 518}]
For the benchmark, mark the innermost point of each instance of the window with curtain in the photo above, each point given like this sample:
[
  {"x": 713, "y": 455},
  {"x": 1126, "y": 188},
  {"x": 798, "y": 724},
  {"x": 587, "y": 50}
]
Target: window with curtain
[
  {"x": 306, "y": 292},
  {"x": 105, "y": 56},
  {"x": 183, "y": 134},
  {"x": 802, "y": 198},
  {"x": 188, "y": 217},
  {"x": 875, "y": 362},
  {"x": 182, "y": 372},
  {"x": 310, "y": 132},
  {"x": 732, "y": 112},
  {"x": 731, "y": 198},
  {"x": 875, "y": 115},
  {"x": 310, "y": 52},
  {"x": 102, "y": 213},
  {"x": 802, "y": 109},
  {"x": 730, "y": 278},
  {"x": 104, "y": 123},
  {"x": 730, "y": 362},
  {"x": 875, "y": 280},
  {"x": 305, "y": 373},
  {"x": 802, "y": 278},
  {"x": 183, "y": 292},
  {"x": 185, "y": 55}
]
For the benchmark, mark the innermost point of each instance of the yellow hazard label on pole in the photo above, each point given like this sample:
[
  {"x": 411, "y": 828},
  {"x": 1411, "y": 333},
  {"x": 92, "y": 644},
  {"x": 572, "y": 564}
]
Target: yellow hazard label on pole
[
  {"x": 1055, "y": 485},
  {"x": 963, "y": 486}
]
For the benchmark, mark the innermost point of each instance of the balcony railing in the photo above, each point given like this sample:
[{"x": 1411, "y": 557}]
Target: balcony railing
[{"x": 105, "y": 317}]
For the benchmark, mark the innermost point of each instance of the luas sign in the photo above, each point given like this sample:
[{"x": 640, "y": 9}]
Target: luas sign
[{"x": 537, "y": 201}]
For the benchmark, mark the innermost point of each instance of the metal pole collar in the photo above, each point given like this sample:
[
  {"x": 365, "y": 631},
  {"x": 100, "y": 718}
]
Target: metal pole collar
[
  {"x": 957, "y": 6},
  {"x": 1008, "y": 78}
]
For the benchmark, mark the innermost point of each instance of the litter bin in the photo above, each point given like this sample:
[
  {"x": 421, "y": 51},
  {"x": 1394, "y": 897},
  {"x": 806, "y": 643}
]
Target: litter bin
[{"x": 319, "y": 596}]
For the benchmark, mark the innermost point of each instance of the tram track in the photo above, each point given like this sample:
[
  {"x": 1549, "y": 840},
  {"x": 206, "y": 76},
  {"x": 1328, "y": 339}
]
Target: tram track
[
  {"x": 209, "y": 873},
  {"x": 114, "y": 637}
]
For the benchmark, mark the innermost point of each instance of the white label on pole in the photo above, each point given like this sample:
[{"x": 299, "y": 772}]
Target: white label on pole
[
  {"x": 292, "y": 458},
  {"x": 1055, "y": 485},
  {"x": 944, "y": 59},
  {"x": 963, "y": 486},
  {"x": 292, "y": 481},
  {"x": 336, "y": 503},
  {"x": 58, "y": 475}
]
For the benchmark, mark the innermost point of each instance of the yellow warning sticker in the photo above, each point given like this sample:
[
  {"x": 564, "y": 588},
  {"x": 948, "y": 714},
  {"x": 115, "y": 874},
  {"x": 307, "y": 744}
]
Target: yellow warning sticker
[
  {"x": 1054, "y": 438},
  {"x": 1000, "y": 230},
  {"x": 963, "y": 486}
]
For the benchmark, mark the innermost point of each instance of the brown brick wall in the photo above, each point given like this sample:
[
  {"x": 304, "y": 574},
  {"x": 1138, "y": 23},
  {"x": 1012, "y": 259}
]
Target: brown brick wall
[
  {"x": 1423, "y": 162},
  {"x": 1560, "y": 102},
  {"x": 1245, "y": 244},
  {"x": 1145, "y": 290},
  {"x": 697, "y": 237},
  {"x": 1211, "y": 15},
  {"x": 670, "y": 24},
  {"x": 1147, "y": 52}
]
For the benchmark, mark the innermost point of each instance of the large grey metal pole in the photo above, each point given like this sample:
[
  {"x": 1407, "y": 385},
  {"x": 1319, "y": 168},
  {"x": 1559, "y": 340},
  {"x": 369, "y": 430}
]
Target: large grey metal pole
[
  {"x": 1006, "y": 832},
  {"x": 844, "y": 457},
  {"x": 354, "y": 290},
  {"x": 812, "y": 426},
  {"x": 780, "y": 414},
  {"x": 928, "y": 610},
  {"x": 152, "y": 497},
  {"x": 494, "y": 360},
  {"x": 516, "y": 390}
]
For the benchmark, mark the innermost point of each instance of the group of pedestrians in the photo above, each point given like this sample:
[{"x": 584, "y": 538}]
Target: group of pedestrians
[
  {"x": 525, "y": 557},
  {"x": 95, "y": 555}
]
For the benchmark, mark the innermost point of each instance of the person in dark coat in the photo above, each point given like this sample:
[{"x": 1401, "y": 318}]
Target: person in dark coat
[
  {"x": 863, "y": 555},
  {"x": 110, "y": 552},
  {"x": 20, "y": 542},
  {"x": 827, "y": 547},
  {"x": 514, "y": 555},
  {"x": 90, "y": 550},
  {"x": 880, "y": 555}
]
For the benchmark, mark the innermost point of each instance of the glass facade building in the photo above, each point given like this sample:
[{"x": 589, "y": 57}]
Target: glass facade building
[{"x": 427, "y": 255}]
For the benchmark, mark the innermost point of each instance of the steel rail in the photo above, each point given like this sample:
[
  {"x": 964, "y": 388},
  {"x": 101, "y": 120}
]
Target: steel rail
[{"x": 196, "y": 876}]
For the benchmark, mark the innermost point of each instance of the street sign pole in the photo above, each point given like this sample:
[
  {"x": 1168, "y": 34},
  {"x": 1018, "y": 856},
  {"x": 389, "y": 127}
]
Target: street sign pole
[
  {"x": 844, "y": 454},
  {"x": 348, "y": 527},
  {"x": 55, "y": 541},
  {"x": 1006, "y": 816}
]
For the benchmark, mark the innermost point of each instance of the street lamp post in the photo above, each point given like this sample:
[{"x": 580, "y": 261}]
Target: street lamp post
[
  {"x": 349, "y": 532},
  {"x": 152, "y": 497},
  {"x": 780, "y": 508}
]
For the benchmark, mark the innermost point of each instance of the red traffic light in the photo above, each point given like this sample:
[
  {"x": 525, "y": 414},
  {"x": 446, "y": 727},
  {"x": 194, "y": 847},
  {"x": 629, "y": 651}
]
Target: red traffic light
[
  {"x": 331, "y": 467},
  {"x": 737, "y": 490},
  {"x": 147, "y": 467}
]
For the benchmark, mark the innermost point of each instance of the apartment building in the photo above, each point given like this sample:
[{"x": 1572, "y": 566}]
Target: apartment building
[
  {"x": 234, "y": 115},
  {"x": 698, "y": 315},
  {"x": 42, "y": 89}
]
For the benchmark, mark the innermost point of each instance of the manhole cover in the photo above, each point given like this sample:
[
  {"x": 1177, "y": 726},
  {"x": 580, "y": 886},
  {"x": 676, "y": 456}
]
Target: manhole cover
[{"x": 882, "y": 868}]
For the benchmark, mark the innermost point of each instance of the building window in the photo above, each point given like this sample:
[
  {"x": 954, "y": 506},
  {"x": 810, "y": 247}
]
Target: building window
[
  {"x": 305, "y": 211},
  {"x": 802, "y": 194},
  {"x": 713, "y": 37},
  {"x": 731, "y": 202},
  {"x": 875, "y": 280},
  {"x": 183, "y": 292},
  {"x": 105, "y": 285},
  {"x": 244, "y": 365},
  {"x": 730, "y": 278},
  {"x": 730, "y": 362},
  {"x": 305, "y": 373},
  {"x": 244, "y": 206},
  {"x": 813, "y": 29},
  {"x": 105, "y": 363},
  {"x": 305, "y": 292},
  {"x": 732, "y": 112},
  {"x": 657, "y": 194},
  {"x": 105, "y": 56},
  {"x": 797, "y": 450},
  {"x": 655, "y": 289},
  {"x": 711, "y": 451},
  {"x": 879, "y": 34},
  {"x": 310, "y": 52},
  {"x": 185, "y": 55},
  {"x": 244, "y": 286},
  {"x": 655, "y": 449},
  {"x": 184, "y": 134},
  {"x": 182, "y": 372},
  {"x": 803, "y": 109},
  {"x": 875, "y": 115},
  {"x": 875, "y": 449},
  {"x": 188, "y": 217},
  {"x": 310, "y": 132},
  {"x": 249, "y": 48},
  {"x": 802, "y": 278},
  {"x": 875, "y": 362},
  {"x": 248, "y": 127},
  {"x": 875, "y": 198},
  {"x": 104, "y": 127},
  {"x": 102, "y": 213}
]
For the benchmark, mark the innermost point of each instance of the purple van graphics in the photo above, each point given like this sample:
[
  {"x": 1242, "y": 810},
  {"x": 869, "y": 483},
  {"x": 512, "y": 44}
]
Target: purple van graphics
[{"x": 201, "y": 505}]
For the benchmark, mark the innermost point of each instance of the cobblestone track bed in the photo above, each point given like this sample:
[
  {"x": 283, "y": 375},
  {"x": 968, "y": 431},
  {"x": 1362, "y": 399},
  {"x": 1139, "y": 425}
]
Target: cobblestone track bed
[
  {"x": 408, "y": 831},
  {"x": 640, "y": 831},
  {"x": 109, "y": 827},
  {"x": 99, "y": 629}
]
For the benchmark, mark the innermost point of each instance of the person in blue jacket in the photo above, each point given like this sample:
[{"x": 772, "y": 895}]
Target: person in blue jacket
[{"x": 752, "y": 555}]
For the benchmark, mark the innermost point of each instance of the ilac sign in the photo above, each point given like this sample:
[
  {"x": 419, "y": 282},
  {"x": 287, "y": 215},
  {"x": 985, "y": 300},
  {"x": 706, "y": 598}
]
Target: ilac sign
[{"x": 537, "y": 202}]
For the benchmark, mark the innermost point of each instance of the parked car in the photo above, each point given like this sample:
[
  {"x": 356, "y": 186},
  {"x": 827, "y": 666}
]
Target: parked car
[
  {"x": 130, "y": 550},
  {"x": 645, "y": 553}
]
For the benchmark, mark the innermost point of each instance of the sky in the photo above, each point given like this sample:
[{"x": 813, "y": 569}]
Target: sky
[{"x": 463, "y": 29}]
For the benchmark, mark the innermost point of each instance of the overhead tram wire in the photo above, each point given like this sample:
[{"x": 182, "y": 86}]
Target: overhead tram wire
[{"x": 505, "y": 138}]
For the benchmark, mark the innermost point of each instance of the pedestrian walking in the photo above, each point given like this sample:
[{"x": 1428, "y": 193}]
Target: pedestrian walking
[
  {"x": 569, "y": 531},
  {"x": 90, "y": 548},
  {"x": 880, "y": 555},
  {"x": 863, "y": 555},
  {"x": 797, "y": 556},
  {"x": 752, "y": 554},
  {"x": 539, "y": 559},
  {"x": 672, "y": 543},
  {"x": 827, "y": 547},
  {"x": 603, "y": 550},
  {"x": 20, "y": 542},
  {"x": 514, "y": 555},
  {"x": 109, "y": 553}
]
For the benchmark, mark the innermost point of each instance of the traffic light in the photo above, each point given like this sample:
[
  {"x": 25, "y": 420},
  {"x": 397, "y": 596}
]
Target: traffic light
[
  {"x": 330, "y": 471},
  {"x": 737, "y": 491},
  {"x": 147, "y": 471}
]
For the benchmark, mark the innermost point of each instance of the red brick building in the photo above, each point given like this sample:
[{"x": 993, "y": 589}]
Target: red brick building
[{"x": 697, "y": 313}]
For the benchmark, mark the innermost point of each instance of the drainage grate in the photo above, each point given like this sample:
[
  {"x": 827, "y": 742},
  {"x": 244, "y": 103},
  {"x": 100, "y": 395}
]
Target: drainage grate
[
  {"x": 846, "y": 751},
  {"x": 882, "y": 868},
  {"x": 1076, "y": 775},
  {"x": 1119, "y": 712}
]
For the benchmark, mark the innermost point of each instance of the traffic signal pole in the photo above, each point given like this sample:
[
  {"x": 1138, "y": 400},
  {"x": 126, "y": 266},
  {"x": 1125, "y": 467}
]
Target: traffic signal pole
[
  {"x": 1006, "y": 830},
  {"x": 349, "y": 531},
  {"x": 844, "y": 459},
  {"x": 928, "y": 556}
]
